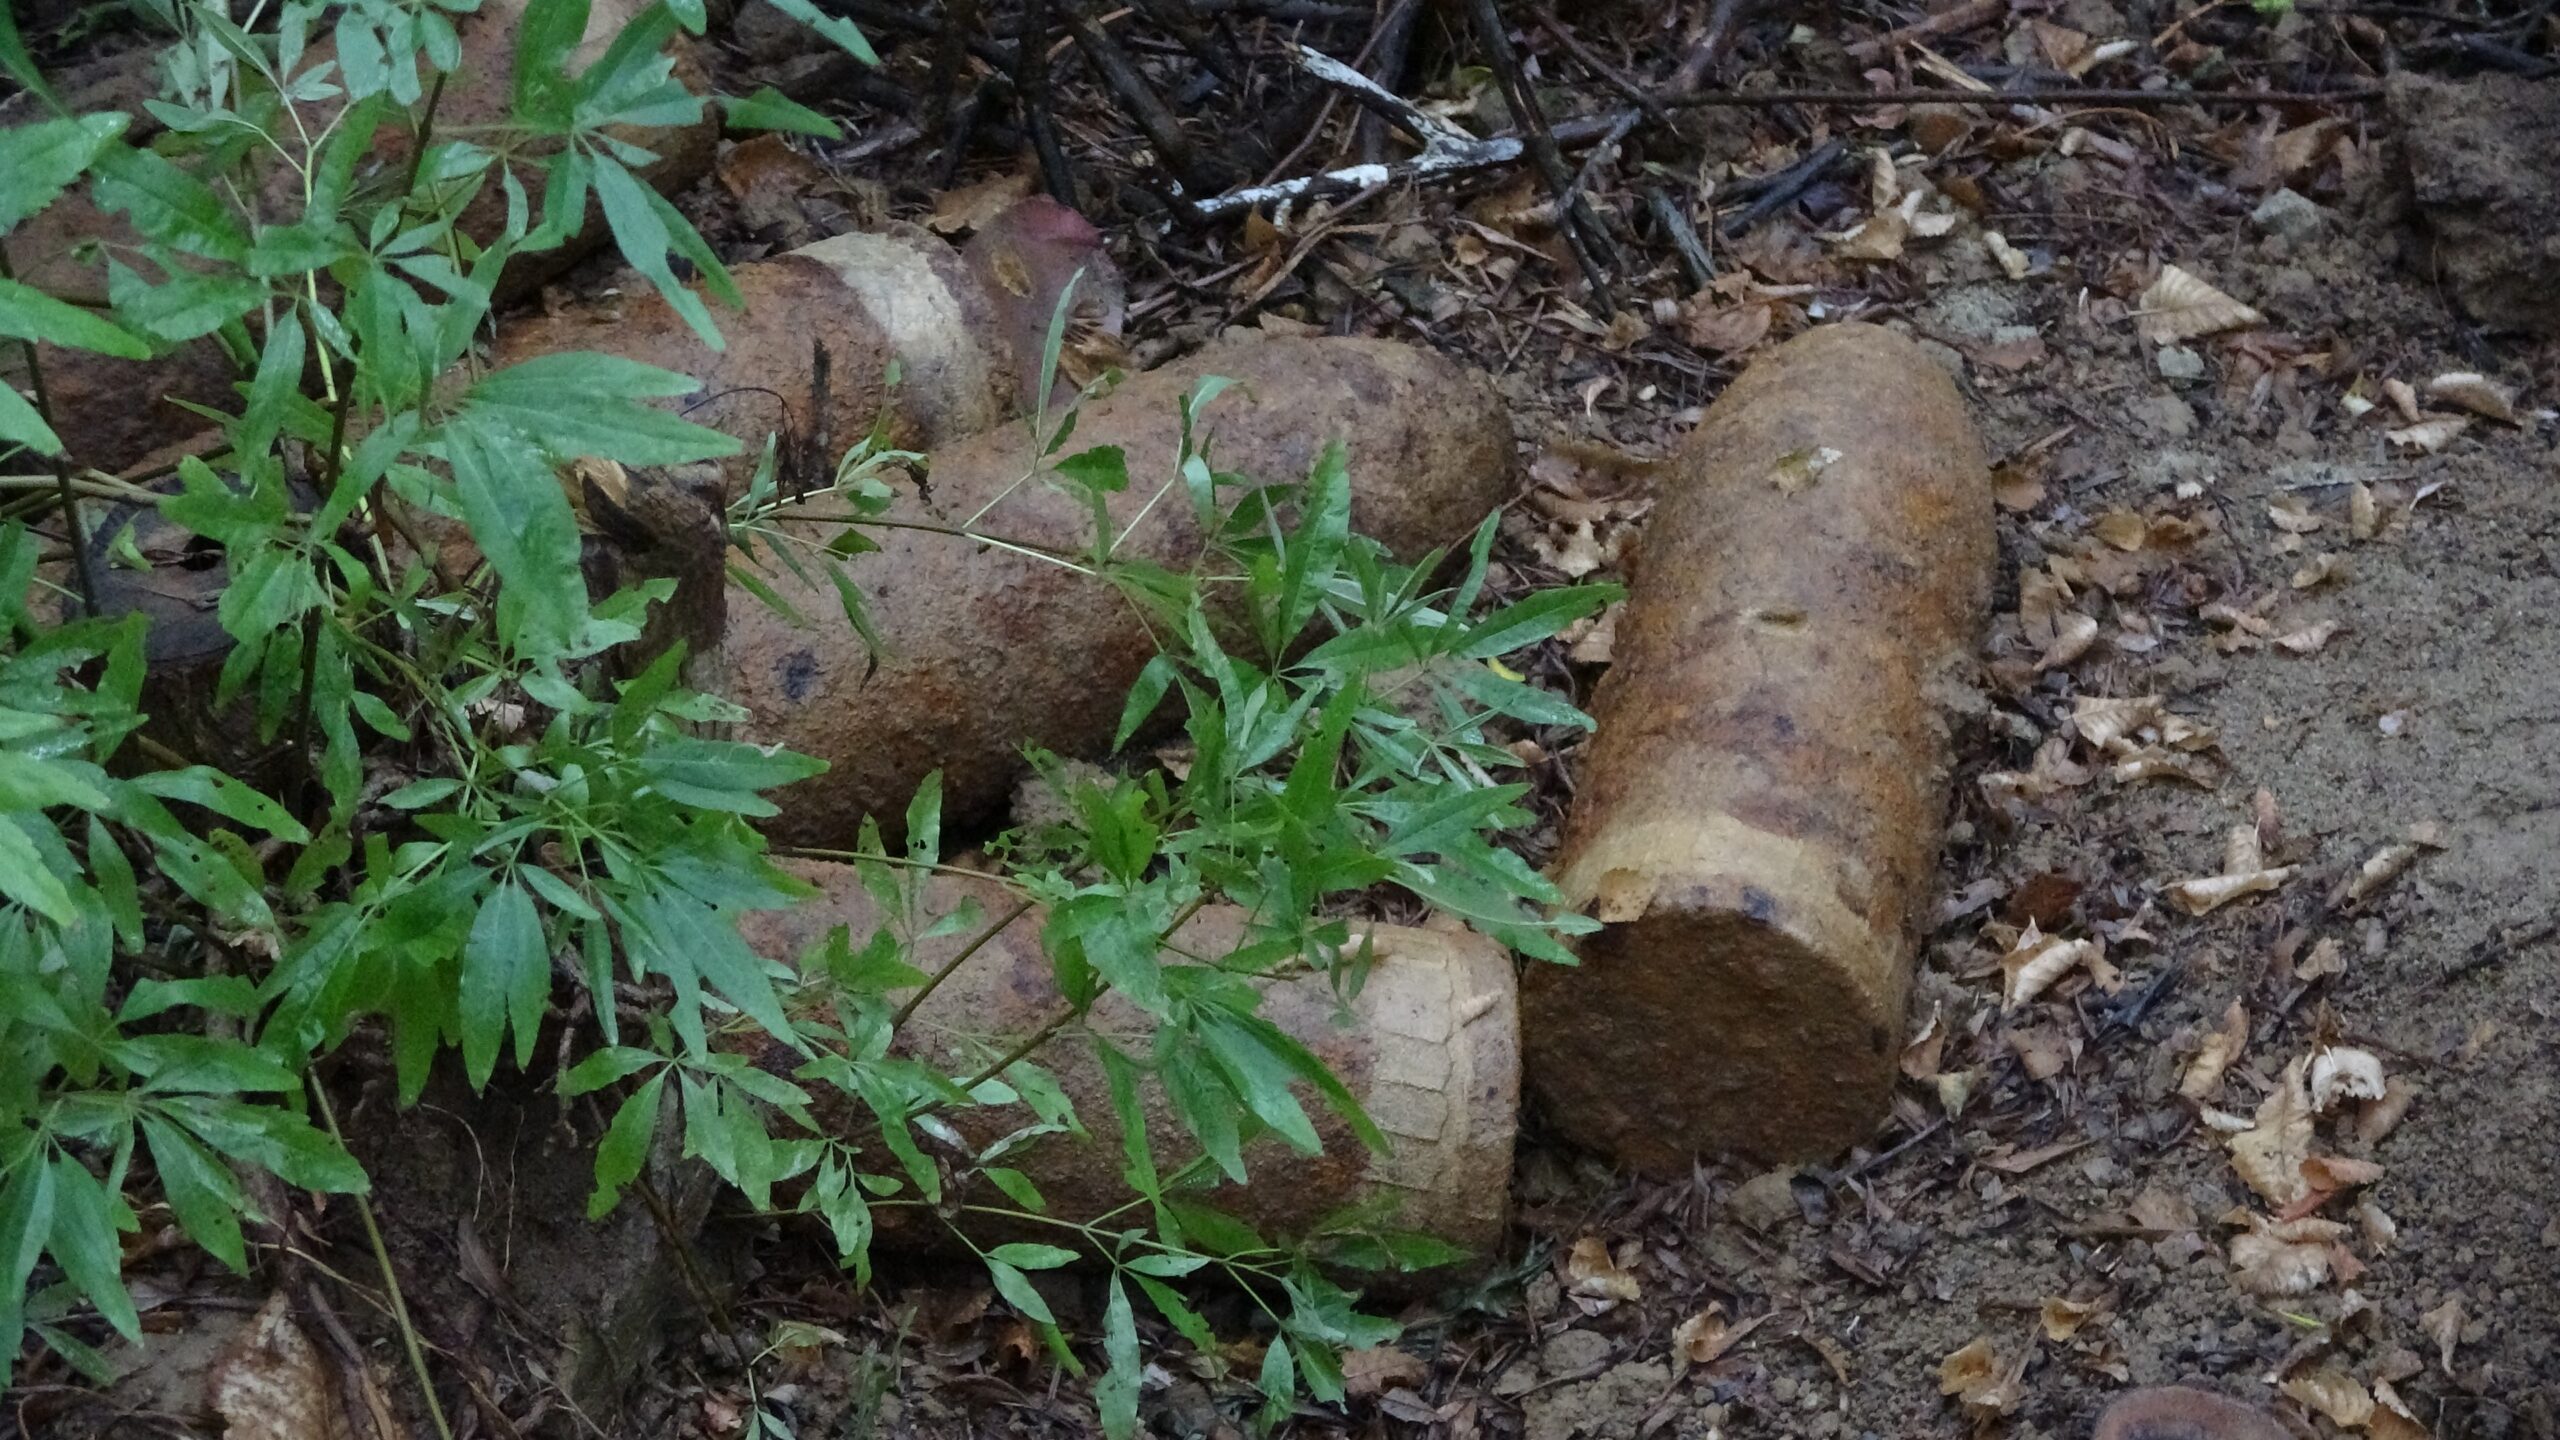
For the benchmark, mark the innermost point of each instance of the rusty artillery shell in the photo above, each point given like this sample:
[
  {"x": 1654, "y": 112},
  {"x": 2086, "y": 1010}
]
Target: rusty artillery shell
[
  {"x": 985, "y": 651},
  {"x": 1429, "y": 1047},
  {"x": 111, "y": 413},
  {"x": 1758, "y": 820},
  {"x": 948, "y": 321}
]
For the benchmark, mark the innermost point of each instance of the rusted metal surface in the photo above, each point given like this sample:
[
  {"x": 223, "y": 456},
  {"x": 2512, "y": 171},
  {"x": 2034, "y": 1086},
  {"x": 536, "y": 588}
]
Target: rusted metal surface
[
  {"x": 1757, "y": 822},
  {"x": 986, "y": 651},
  {"x": 1429, "y": 1047}
]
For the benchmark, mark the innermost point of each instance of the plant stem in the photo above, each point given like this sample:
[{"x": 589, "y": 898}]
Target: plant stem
[
  {"x": 934, "y": 981},
  {"x": 935, "y": 867},
  {"x": 95, "y": 484},
  {"x": 1073, "y": 1013},
  {"x": 390, "y": 1277},
  {"x": 80, "y": 563},
  {"x": 1031, "y": 549}
]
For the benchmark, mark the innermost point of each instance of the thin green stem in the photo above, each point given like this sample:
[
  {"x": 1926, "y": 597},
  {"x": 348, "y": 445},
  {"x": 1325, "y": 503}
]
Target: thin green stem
[
  {"x": 934, "y": 981},
  {"x": 81, "y": 565},
  {"x": 1029, "y": 549},
  {"x": 390, "y": 1276}
]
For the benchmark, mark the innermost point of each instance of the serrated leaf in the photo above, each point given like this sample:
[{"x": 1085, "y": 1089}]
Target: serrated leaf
[
  {"x": 843, "y": 32},
  {"x": 1026, "y": 1256},
  {"x": 210, "y": 788},
  {"x": 1115, "y": 1394},
  {"x": 770, "y": 109},
  {"x": 24, "y": 878},
  {"x": 506, "y": 980},
  {"x": 200, "y": 1189},
  {"x": 83, "y": 1243},
  {"x": 39, "y": 161},
  {"x": 625, "y": 1147},
  {"x": 1016, "y": 1289},
  {"x": 27, "y": 313}
]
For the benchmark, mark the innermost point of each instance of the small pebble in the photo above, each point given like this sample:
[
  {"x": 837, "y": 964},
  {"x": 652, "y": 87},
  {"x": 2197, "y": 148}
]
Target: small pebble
[{"x": 2177, "y": 362}]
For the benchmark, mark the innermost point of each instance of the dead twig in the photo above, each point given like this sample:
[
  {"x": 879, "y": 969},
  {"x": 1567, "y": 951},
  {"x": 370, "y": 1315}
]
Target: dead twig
[
  {"x": 1387, "y": 48},
  {"x": 2042, "y": 95},
  {"x": 1446, "y": 149},
  {"x": 1031, "y": 85},
  {"x": 1122, "y": 77},
  {"x": 1579, "y": 223},
  {"x": 1782, "y": 188},
  {"x": 1695, "y": 265},
  {"x": 1953, "y": 21},
  {"x": 1712, "y": 42}
]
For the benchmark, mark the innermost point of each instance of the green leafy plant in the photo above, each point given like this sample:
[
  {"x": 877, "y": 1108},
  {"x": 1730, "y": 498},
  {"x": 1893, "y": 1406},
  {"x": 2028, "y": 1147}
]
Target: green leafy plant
[{"x": 487, "y": 804}]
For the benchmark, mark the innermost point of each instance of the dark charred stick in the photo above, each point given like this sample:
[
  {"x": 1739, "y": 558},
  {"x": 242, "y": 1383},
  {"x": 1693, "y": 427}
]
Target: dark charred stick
[
  {"x": 1574, "y": 216},
  {"x": 956, "y": 135},
  {"x": 1300, "y": 10},
  {"x": 1616, "y": 79},
  {"x": 2044, "y": 95},
  {"x": 1031, "y": 86},
  {"x": 959, "y": 22},
  {"x": 1388, "y": 46},
  {"x": 1710, "y": 47},
  {"x": 1695, "y": 266},
  {"x": 880, "y": 16},
  {"x": 1174, "y": 20},
  {"x": 1946, "y": 22},
  {"x": 1146, "y": 107},
  {"x": 1782, "y": 188}
]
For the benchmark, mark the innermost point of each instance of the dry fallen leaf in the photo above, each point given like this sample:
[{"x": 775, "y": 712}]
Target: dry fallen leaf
[
  {"x": 2062, "y": 1318},
  {"x": 2335, "y": 1173},
  {"x": 2332, "y": 1392},
  {"x": 2213, "y": 1059},
  {"x": 2327, "y": 958},
  {"x": 2181, "y": 306},
  {"x": 272, "y": 1384},
  {"x": 1980, "y": 1382},
  {"x": 2376, "y": 1119},
  {"x": 2285, "y": 1258},
  {"x": 2109, "y": 724},
  {"x": 1591, "y": 1274},
  {"x": 2392, "y": 1418},
  {"x": 2476, "y": 393},
  {"x": 2268, "y": 1155},
  {"x": 1728, "y": 330},
  {"x": 1380, "y": 1368},
  {"x": 2384, "y": 866},
  {"x": 2428, "y": 436},
  {"x": 2444, "y": 1325},
  {"x": 2038, "y": 960},
  {"x": 2320, "y": 569},
  {"x": 2342, "y": 1072},
  {"x": 1881, "y": 237},
  {"x": 972, "y": 206},
  {"x": 2013, "y": 261},
  {"x": 2207, "y": 893},
  {"x": 1704, "y": 1338},
  {"x": 2123, "y": 529},
  {"x": 2310, "y": 639},
  {"x": 2073, "y": 634},
  {"x": 2364, "y": 515}
]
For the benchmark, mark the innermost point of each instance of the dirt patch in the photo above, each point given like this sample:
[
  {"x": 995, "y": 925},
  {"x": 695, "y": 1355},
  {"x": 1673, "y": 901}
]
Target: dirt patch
[{"x": 2479, "y": 159}]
